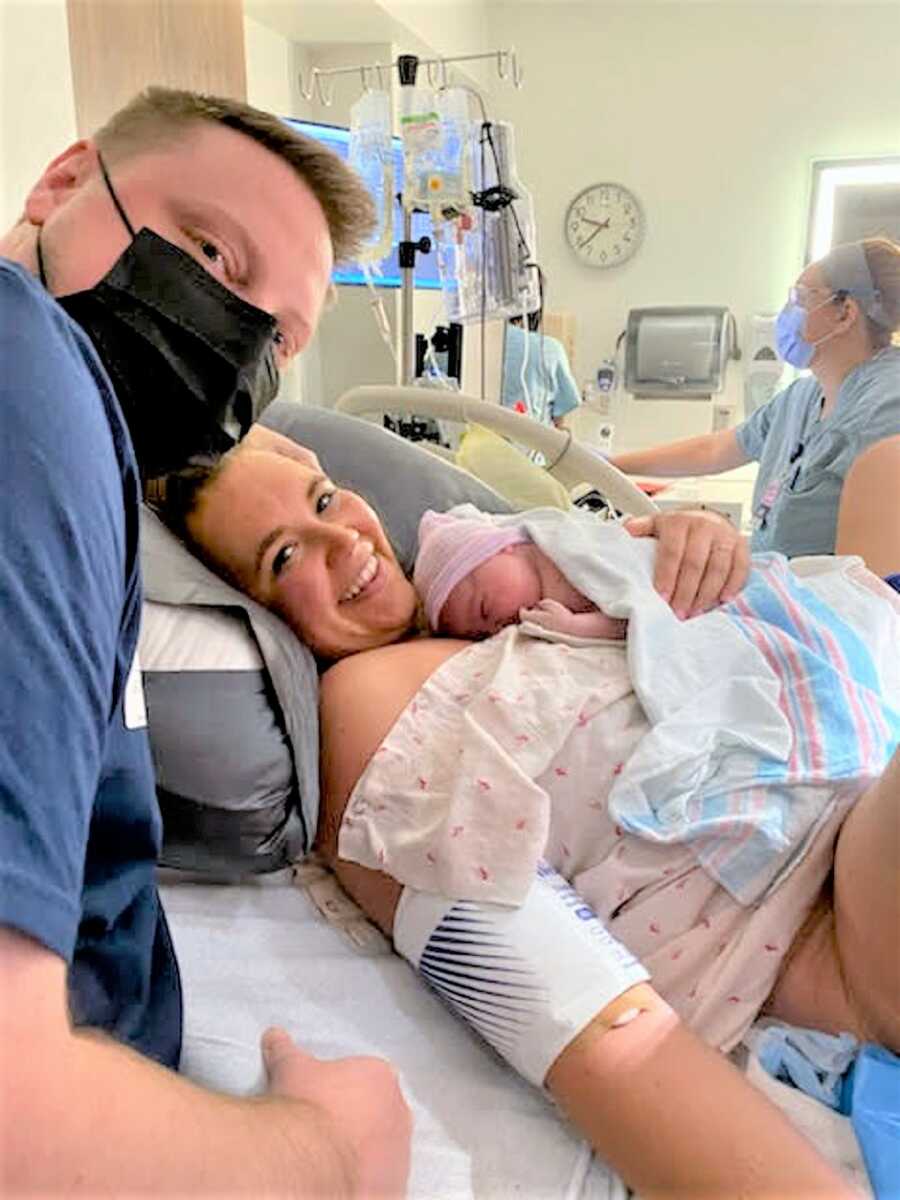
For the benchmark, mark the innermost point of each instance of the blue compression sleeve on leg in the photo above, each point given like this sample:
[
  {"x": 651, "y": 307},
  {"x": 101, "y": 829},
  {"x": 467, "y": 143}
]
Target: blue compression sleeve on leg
[{"x": 528, "y": 979}]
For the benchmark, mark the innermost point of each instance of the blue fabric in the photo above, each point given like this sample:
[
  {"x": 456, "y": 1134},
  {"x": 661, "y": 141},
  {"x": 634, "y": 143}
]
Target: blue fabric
[
  {"x": 803, "y": 460},
  {"x": 814, "y": 1062},
  {"x": 875, "y": 1114},
  {"x": 894, "y": 582},
  {"x": 552, "y": 391},
  {"x": 79, "y": 823}
]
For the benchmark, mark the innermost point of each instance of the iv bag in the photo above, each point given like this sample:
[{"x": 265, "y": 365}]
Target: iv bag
[
  {"x": 435, "y": 161},
  {"x": 371, "y": 156},
  {"x": 485, "y": 258}
]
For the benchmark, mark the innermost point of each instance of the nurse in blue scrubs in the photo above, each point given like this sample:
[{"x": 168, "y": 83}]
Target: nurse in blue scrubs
[
  {"x": 839, "y": 321},
  {"x": 549, "y": 390}
]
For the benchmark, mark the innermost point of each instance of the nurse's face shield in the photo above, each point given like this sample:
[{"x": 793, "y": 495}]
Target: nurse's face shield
[{"x": 810, "y": 298}]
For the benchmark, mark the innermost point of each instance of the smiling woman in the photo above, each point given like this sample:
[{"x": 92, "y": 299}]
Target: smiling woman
[{"x": 314, "y": 553}]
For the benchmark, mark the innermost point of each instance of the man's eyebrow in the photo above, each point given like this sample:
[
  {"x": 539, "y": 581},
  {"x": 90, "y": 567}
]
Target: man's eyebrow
[{"x": 274, "y": 534}]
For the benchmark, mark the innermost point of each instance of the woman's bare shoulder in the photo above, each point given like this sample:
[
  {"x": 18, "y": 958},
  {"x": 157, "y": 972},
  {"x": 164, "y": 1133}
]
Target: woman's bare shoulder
[
  {"x": 361, "y": 698},
  {"x": 403, "y": 667}
]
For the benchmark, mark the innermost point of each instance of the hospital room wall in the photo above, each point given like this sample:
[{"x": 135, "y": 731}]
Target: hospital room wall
[
  {"x": 712, "y": 114},
  {"x": 347, "y": 349},
  {"x": 273, "y": 64},
  {"x": 37, "y": 103},
  {"x": 448, "y": 28}
]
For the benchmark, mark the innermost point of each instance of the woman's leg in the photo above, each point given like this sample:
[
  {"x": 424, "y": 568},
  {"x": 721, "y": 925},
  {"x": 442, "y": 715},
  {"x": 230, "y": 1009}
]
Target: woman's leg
[{"x": 867, "y": 907}]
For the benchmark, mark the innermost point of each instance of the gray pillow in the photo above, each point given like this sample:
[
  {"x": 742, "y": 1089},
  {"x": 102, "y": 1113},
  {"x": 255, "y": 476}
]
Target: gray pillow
[
  {"x": 232, "y": 694},
  {"x": 232, "y": 714}
]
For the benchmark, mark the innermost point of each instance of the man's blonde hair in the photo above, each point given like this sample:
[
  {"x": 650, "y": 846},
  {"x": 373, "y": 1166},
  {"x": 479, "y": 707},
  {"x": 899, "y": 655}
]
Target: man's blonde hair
[{"x": 159, "y": 116}]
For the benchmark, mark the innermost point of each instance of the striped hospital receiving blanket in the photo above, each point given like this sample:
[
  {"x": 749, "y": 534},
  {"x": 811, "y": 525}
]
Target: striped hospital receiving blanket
[{"x": 796, "y": 682}]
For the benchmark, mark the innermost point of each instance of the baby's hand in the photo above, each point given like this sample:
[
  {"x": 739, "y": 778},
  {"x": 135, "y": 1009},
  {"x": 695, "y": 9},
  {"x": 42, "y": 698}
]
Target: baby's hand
[{"x": 550, "y": 614}]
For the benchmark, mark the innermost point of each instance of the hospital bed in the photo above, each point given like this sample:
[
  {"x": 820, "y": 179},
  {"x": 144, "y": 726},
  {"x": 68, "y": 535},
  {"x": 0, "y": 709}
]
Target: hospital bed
[
  {"x": 568, "y": 460},
  {"x": 263, "y": 952},
  {"x": 290, "y": 948}
]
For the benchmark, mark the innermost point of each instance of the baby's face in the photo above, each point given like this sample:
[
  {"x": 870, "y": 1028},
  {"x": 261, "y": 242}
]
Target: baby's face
[{"x": 491, "y": 596}]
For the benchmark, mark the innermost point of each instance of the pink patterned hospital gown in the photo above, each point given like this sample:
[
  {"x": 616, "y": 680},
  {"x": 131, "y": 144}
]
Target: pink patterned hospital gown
[{"x": 507, "y": 754}]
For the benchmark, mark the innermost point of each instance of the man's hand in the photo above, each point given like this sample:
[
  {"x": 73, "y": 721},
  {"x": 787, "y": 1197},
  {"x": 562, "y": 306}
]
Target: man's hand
[
  {"x": 360, "y": 1099},
  {"x": 259, "y": 437},
  {"x": 702, "y": 559}
]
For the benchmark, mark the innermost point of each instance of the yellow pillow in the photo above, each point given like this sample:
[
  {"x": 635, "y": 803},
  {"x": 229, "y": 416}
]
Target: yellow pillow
[{"x": 498, "y": 463}]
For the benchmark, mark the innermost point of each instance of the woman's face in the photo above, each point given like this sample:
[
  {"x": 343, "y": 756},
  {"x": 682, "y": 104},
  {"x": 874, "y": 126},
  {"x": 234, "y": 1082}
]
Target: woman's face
[
  {"x": 315, "y": 554},
  {"x": 814, "y": 295}
]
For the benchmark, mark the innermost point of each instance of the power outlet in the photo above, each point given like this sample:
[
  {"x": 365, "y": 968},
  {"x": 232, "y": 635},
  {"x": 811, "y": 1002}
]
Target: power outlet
[
  {"x": 605, "y": 434},
  {"x": 722, "y": 417}
]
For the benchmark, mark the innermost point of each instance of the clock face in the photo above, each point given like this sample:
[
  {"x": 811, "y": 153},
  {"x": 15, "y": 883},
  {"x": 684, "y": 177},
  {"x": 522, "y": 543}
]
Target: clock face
[{"x": 604, "y": 225}]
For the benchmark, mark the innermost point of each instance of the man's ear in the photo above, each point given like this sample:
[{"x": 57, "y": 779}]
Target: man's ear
[{"x": 62, "y": 178}]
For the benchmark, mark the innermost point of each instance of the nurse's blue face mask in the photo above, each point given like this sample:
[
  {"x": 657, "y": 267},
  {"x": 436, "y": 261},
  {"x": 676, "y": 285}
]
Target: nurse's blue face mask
[
  {"x": 193, "y": 365},
  {"x": 792, "y": 346}
]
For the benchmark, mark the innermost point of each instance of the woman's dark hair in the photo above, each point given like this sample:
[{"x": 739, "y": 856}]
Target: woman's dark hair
[{"x": 174, "y": 497}]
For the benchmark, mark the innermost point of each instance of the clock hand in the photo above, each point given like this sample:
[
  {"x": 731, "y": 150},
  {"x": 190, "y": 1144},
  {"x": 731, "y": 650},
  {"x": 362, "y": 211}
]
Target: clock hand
[
  {"x": 590, "y": 237},
  {"x": 599, "y": 224}
]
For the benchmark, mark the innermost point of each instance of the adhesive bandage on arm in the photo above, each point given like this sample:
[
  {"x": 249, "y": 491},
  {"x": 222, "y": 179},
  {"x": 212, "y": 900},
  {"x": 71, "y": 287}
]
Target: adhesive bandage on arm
[{"x": 528, "y": 979}]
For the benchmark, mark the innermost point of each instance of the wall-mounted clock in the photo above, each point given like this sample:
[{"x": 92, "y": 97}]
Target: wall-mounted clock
[{"x": 604, "y": 225}]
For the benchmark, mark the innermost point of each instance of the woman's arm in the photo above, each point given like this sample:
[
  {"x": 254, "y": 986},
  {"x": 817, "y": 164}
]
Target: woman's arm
[
  {"x": 666, "y": 1111},
  {"x": 675, "y": 1118},
  {"x": 706, "y": 455},
  {"x": 869, "y": 515}
]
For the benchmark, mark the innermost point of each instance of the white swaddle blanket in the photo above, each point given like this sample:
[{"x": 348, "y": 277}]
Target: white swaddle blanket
[{"x": 774, "y": 690}]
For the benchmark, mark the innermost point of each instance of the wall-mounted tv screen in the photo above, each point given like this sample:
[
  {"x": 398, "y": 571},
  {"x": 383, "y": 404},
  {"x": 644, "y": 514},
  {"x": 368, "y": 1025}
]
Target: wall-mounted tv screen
[{"x": 337, "y": 138}]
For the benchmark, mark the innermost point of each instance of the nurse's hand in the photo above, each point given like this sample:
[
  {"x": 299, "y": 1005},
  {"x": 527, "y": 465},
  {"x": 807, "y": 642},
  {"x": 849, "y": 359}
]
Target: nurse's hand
[
  {"x": 260, "y": 437},
  {"x": 702, "y": 559}
]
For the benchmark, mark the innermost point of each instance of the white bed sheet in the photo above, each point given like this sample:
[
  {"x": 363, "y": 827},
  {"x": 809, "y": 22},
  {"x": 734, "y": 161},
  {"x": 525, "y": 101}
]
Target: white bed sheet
[{"x": 260, "y": 953}]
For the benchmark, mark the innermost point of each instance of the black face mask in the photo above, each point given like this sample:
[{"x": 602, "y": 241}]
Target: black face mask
[{"x": 193, "y": 365}]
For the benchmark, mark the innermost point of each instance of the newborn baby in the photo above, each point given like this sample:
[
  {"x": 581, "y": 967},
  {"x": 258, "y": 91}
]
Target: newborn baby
[{"x": 473, "y": 579}]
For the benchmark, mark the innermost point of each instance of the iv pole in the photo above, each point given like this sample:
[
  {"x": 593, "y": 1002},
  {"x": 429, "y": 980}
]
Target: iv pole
[{"x": 407, "y": 68}]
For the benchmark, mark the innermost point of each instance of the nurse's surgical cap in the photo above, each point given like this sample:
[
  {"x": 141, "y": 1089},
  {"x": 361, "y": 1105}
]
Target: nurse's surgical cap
[{"x": 847, "y": 270}]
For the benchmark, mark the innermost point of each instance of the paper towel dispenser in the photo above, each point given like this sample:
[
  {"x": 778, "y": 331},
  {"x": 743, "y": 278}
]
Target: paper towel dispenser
[{"x": 678, "y": 352}]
